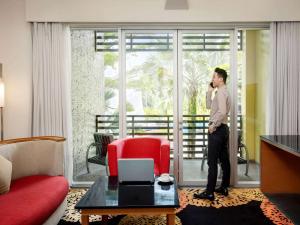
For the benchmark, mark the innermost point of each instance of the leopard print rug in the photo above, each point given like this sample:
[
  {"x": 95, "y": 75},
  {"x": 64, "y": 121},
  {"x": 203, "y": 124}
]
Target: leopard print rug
[{"x": 237, "y": 197}]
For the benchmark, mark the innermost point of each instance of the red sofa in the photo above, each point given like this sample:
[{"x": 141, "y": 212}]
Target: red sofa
[
  {"x": 38, "y": 191},
  {"x": 140, "y": 147}
]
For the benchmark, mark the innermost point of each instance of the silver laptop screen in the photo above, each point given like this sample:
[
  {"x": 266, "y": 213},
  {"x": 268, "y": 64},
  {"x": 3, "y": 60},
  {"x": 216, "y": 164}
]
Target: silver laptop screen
[{"x": 136, "y": 170}]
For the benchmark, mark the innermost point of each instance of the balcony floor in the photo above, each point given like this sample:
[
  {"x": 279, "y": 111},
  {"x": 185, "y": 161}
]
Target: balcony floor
[{"x": 190, "y": 173}]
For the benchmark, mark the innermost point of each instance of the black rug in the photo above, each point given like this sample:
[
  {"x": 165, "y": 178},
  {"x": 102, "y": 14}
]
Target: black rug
[
  {"x": 249, "y": 213},
  {"x": 241, "y": 207}
]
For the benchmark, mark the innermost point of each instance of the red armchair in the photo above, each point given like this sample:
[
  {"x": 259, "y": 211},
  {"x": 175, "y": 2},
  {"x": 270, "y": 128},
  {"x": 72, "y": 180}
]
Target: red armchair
[{"x": 141, "y": 147}]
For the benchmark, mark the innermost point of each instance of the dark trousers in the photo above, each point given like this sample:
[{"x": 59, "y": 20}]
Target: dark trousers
[{"x": 218, "y": 150}]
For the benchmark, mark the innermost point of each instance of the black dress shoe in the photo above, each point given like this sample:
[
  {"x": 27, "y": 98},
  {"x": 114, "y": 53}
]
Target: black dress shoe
[
  {"x": 222, "y": 191},
  {"x": 205, "y": 195}
]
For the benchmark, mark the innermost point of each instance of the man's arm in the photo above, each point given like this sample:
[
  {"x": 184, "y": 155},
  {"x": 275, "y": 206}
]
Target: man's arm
[
  {"x": 222, "y": 112},
  {"x": 208, "y": 98}
]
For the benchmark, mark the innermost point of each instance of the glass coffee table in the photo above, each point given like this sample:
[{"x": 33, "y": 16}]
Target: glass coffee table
[{"x": 107, "y": 197}]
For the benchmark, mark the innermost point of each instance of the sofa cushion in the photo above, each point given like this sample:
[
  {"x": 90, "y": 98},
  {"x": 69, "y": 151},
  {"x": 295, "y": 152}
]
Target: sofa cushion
[
  {"x": 5, "y": 174},
  {"x": 31, "y": 200}
]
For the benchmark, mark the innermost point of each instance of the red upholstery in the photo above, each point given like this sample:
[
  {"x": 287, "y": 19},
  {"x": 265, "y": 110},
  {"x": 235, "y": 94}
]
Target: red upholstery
[
  {"x": 31, "y": 200},
  {"x": 142, "y": 147}
]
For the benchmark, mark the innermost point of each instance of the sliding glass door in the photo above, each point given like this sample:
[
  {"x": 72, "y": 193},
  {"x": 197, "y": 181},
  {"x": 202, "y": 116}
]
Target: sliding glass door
[
  {"x": 131, "y": 83},
  {"x": 95, "y": 97},
  {"x": 200, "y": 52},
  {"x": 150, "y": 77}
]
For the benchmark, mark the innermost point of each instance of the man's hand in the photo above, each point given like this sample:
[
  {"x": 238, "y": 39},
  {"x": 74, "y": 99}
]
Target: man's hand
[
  {"x": 211, "y": 129},
  {"x": 210, "y": 88}
]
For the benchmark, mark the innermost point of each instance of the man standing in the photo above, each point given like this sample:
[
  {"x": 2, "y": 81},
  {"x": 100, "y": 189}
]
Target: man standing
[{"x": 218, "y": 135}]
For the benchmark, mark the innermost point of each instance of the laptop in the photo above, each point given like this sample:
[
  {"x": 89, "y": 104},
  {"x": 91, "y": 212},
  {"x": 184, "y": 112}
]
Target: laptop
[{"x": 135, "y": 171}]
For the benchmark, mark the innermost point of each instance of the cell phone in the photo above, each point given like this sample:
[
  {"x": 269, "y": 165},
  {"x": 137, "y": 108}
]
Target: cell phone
[{"x": 211, "y": 84}]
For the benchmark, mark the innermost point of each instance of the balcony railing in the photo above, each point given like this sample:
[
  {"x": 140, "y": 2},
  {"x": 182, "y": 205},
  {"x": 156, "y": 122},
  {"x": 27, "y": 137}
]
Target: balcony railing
[{"x": 194, "y": 129}]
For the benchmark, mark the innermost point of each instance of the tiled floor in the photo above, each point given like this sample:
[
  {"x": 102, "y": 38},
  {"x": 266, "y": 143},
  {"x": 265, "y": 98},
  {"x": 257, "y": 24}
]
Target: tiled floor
[{"x": 191, "y": 171}]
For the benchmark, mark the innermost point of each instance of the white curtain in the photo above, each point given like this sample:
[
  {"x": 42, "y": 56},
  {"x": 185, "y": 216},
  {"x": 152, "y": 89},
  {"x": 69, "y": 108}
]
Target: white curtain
[
  {"x": 51, "y": 83},
  {"x": 284, "y": 94}
]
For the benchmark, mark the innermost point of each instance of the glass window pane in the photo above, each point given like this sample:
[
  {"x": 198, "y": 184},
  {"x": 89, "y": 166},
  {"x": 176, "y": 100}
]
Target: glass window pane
[
  {"x": 198, "y": 66},
  {"x": 95, "y": 97}
]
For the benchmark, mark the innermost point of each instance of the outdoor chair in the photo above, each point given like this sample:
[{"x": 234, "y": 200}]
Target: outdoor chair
[{"x": 101, "y": 142}]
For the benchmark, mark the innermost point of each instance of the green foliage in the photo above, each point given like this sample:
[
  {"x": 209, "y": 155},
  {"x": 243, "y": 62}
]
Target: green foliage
[
  {"x": 108, "y": 94},
  {"x": 129, "y": 107},
  {"x": 110, "y": 59},
  {"x": 198, "y": 68},
  {"x": 111, "y": 83},
  {"x": 153, "y": 78}
]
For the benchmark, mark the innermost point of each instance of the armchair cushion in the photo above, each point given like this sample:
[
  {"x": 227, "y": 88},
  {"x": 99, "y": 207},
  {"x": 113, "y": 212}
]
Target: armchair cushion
[{"x": 5, "y": 175}]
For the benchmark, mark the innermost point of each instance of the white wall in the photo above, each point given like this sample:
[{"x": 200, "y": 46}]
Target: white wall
[
  {"x": 15, "y": 56},
  {"x": 153, "y": 11},
  {"x": 15, "y": 35}
]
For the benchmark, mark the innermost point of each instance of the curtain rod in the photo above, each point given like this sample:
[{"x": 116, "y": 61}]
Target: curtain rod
[{"x": 171, "y": 26}]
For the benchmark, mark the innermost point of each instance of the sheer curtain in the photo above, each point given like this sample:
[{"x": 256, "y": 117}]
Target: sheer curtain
[
  {"x": 284, "y": 94},
  {"x": 51, "y": 83}
]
